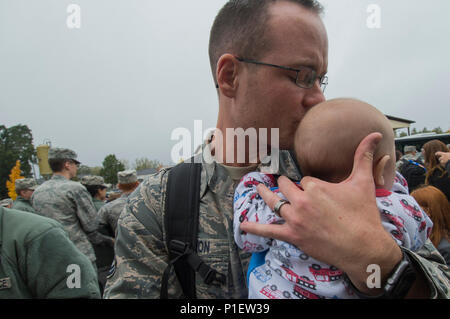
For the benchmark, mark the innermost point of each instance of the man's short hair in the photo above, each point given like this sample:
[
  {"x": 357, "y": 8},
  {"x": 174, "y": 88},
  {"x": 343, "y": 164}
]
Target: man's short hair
[
  {"x": 239, "y": 28},
  {"x": 57, "y": 164}
]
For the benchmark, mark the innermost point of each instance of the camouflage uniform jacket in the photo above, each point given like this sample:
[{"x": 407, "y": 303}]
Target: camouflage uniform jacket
[
  {"x": 23, "y": 204},
  {"x": 98, "y": 203},
  {"x": 110, "y": 212},
  {"x": 35, "y": 253},
  {"x": 141, "y": 254},
  {"x": 70, "y": 203}
]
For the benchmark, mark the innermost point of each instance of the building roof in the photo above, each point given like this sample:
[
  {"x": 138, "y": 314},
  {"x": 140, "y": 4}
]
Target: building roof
[{"x": 397, "y": 122}]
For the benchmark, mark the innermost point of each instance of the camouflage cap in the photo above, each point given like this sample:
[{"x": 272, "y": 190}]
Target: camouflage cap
[
  {"x": 25, "y": 183},
  {"x": 93, "y": 180},
  {"x": 6, "y": 202},
  {"x": 127, "y": 177},
  {"x": 409, "y": 148},
  {"x": 62, "y": 153}
]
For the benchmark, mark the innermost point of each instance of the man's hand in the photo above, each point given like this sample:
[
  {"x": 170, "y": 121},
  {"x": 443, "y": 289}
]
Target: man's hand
[
  {"x": 338, "y": 224},
  {"x": 443, "y": 157}
]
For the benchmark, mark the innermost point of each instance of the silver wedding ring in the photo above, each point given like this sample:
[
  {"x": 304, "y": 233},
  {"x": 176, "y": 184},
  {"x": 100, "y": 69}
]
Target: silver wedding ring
[{"x": 278, "y": 205}]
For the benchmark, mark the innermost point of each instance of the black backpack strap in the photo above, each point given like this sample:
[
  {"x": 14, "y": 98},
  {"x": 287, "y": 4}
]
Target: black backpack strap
[{"x": 181, "y": 221}]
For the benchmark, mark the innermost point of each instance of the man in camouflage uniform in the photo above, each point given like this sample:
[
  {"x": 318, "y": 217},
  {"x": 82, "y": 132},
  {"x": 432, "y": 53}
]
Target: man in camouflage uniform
[
  {"x": 104, "y": 252},
  {"x": 321, "y": 219},
  {"x": 109, "y": 213},
  {"x": 24, "y": 189},
  {"x": 68, "y": 202}
]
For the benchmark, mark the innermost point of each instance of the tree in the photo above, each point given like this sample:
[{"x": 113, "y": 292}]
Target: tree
[
  {"x": 438, "y": 130},
  {"x": 111, "y": 166},
  {"x": 16, "y": 143},
  {"x": 96, "y": 170},
  {"x": 143, "y": 163},
  {"x": 11, "y": 183},
  {"x": 84, "y": 170},
  {"x": 125, "y": 163},
  {"x": 414, "y": 131},
  {"x": 403, "y": 134},
  {"x": 87, "y": 170}
]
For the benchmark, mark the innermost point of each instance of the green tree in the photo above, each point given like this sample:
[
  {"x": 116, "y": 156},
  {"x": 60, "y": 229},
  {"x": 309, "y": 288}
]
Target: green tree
[
  {"x": 403, "y": 134},
  {"x": 87, "y": 170},
  {"x": 438, "y": 130},
  {"x": 143, "y": 163},
  {"x": 84, "y": 170},
  {"x": 111, "y": 166},
  {"x": 96, "y": 170},
  {"x": 414, "y": 131},
  {"x": 16, "y": 143}
]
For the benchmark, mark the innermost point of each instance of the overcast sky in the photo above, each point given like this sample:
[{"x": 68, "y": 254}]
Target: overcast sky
[{"x": 135, "y": 70}]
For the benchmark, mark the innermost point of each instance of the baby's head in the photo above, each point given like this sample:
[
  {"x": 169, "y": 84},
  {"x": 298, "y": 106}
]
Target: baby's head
[{"x": 329, "y": 133}]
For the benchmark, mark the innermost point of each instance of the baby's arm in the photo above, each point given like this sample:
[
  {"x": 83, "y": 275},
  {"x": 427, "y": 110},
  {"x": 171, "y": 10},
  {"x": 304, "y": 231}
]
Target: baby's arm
[{"x": 249, "y": 206}]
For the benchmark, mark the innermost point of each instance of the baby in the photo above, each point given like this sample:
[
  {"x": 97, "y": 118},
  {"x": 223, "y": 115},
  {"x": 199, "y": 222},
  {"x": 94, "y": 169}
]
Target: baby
[{"x": 325, "y": 144}]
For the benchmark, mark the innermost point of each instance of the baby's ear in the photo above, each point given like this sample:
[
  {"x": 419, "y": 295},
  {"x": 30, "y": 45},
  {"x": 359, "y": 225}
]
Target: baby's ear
[{"x": 378, "y": 170}]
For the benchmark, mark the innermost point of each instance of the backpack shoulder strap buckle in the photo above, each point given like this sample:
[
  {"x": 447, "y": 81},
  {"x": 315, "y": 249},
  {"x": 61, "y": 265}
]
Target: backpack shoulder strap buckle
[{"x": 178, "y": 247}]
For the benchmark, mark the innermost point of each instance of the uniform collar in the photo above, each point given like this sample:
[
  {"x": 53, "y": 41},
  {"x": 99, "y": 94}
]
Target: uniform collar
[
  {"x": 216, "y": 177},
  {"x": 58, "y": 177}
]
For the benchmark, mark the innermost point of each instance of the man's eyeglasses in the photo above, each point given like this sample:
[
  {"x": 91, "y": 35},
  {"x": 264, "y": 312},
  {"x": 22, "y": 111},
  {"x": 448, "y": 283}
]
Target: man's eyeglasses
[{"x": 305, "y": 78}]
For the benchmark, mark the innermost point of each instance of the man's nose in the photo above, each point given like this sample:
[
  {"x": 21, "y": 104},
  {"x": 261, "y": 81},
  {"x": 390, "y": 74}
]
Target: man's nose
[{"x": 314, "y": 96}]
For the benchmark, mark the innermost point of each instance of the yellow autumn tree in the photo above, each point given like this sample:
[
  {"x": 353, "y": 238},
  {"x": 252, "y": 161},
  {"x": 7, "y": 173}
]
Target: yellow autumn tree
[{"x": 11, "y": 183}]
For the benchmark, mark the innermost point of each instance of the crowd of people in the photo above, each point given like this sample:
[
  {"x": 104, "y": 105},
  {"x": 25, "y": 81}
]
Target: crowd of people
[
  {"x": 88, "y": 220},
  {"x": 336, "y": 204}
]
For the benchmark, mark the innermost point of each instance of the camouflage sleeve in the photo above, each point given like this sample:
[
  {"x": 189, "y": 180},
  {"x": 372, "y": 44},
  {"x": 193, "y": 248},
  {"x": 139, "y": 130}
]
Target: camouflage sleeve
[
  {"x": 140, "y": 253},
  {"x": 103, "y": 225},
  {"x": 87, "y": 215},
  {"x": 433, "y": 266}
]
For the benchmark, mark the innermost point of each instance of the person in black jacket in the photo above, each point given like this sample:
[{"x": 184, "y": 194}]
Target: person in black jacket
[
  {"x": 436, "y": 174},
  {"x": 444, "y": 159}
]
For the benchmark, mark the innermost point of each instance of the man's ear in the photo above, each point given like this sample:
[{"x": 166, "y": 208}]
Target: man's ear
[
  {"x": 226, "y": 74},
  {"x": 378, "y": 170}
]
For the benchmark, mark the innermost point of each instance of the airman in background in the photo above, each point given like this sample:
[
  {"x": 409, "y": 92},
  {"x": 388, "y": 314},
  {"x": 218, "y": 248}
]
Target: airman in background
[
  {"x": 24, "y": 189},
  {"x": 69, "y": 202},
  {"x": 109, "y": 214},
  {"x": 97, "y": 188}
]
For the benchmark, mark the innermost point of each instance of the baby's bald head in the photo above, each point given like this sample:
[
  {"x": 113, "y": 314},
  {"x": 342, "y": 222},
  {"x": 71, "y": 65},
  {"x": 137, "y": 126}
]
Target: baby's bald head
[{"x": 329, "y": 133}]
